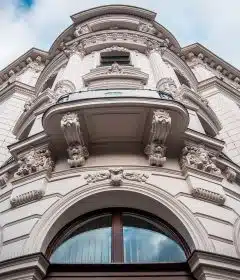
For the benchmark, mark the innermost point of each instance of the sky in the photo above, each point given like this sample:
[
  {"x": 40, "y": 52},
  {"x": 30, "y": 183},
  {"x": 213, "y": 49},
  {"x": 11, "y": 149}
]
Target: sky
[{"x": 36, "y": 23}]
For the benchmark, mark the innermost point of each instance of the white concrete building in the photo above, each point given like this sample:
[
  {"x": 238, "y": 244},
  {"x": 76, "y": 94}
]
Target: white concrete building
[{"x": 120, "y": 155}]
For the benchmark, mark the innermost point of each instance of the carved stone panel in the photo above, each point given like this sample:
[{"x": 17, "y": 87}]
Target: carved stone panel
[
  {"x": 26, "y": 197},
  {"x": 34, "y": 161},
  {"x": 198, "y": 157},
  {"x": 116, "y": 176}
]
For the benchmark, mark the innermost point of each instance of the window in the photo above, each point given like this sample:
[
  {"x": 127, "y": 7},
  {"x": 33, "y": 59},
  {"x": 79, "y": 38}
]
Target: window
[
  {"x": 118, "y": 236},
  {"x": 49, "y": 82},
  {"x": 182, "y": 79},
  {"x": 119, "y": 57}
]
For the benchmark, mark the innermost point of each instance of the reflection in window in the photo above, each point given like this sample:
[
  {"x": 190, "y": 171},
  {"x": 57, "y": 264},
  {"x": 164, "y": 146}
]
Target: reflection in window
[
  {"x": 119, "y": 236},
  {"x": 89, "y": 246}
]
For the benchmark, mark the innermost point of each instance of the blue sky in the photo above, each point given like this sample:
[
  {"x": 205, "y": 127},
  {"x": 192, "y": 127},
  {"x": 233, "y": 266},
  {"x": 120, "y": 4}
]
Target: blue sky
[{"x": 213, "y": 23}]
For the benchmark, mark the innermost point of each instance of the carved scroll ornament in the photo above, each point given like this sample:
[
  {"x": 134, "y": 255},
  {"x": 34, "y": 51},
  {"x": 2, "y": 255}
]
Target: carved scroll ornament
[
  {"x": 77, "y": 150},
  {"x": 156, "y": 149},
  {"x": 116, "y": 176}
]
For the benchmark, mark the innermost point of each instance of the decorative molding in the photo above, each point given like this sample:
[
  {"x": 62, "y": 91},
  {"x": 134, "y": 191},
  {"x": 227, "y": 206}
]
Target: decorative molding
[
  {"x": 115, "y": 72},
  {"x": 161, "y": 125},
  {"x": 198, "y": 54},
  {"x": 147, "y": 28},
  {"x": 34, "y": 161},
  {"x": 33, "y": 58},
  {"x": 3, "y": 179},
  {"x": 115, "y": 48},
  {"x": 77, "y": 150},
  {"x": 116, "y": 175},
  {"x": 26, "y": 197},
  {"x": 76, "y": 48},
  {"x": 197, "y": 156},
  {"x": 209, "y": 195},
  {"x": 230, "y": 174},
  {"x": 82, "y": 29}
]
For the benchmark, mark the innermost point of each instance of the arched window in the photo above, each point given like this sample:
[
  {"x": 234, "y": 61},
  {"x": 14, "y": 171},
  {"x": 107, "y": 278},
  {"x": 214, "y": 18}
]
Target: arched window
[
  {"x": 118, "y": 236},
  {"x": 182, "y": 79}
]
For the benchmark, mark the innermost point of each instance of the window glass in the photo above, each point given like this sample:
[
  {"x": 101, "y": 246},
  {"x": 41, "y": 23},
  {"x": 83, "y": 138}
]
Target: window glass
[
  {"x": 143, "y": 242},
  {"x": 90, "y": 244}
]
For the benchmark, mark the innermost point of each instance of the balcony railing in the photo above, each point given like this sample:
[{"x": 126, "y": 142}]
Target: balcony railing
[{"x": 113, "y": 93}]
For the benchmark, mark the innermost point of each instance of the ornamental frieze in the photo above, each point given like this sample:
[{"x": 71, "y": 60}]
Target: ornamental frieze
[{"x": 116, "y": 176}]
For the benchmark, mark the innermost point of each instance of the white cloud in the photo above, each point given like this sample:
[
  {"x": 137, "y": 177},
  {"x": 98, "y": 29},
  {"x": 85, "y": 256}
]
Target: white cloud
[{"x": 214, "y": 23}]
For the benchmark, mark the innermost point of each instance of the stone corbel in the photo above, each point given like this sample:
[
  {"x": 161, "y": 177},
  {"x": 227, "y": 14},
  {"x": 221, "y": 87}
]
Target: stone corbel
[
  {"x": 77, "y": 150},
  {"x": 156, "y": 149}
]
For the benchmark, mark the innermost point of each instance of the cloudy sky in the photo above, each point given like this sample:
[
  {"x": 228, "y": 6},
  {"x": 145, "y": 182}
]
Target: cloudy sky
[{"x": 213, "y": 23}]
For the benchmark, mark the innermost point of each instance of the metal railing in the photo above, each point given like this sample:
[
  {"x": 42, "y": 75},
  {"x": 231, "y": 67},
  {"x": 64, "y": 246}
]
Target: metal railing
[{"x": 113, "y": 93}]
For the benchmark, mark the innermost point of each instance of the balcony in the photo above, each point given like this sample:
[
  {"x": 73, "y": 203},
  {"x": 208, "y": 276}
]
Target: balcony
[{"x": 115, "y": 117}]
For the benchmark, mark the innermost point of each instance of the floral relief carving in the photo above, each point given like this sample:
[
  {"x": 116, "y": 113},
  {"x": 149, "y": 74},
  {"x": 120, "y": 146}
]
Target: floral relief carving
[
  {"x": 146, "y": 27},
  {"x": 77, "y": 150},
  {"x": 156, "y": 149},
  {"x": 199, "y": 158},
  {"x": 34, "y": 161},
  {"x": 81, "y": 29},
  {"x": 26, "y": 197},
  {"x": 116, "y": 176}
]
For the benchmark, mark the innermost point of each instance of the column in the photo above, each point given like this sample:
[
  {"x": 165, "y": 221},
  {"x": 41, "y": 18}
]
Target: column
[
  {"x": 163, "y": 74},
  {"x": 71, "y": 77}
]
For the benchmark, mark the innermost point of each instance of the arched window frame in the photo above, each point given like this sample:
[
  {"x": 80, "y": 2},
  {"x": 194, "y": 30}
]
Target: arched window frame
[{"x": 117, "y": 243}]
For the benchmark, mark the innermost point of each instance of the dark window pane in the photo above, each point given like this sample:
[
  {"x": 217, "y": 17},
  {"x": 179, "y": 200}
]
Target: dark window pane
[{"x": 144, "y": 242}]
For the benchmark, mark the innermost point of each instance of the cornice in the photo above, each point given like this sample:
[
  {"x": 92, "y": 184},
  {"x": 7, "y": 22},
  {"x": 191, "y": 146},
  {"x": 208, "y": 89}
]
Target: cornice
[
  {"x": 17, "y": 87},
  {"x": 212, "y": 60},
  {"x": 197, "y": 137},
  {"x": 221, "y": 85},
  {"x": 32, "y": 266},
  {"x": 26, "y": 144},
  {"x": 28, "y": 116},
  {"x": 205, "y": 111},
  {"x": 174, "y": 59},
  {"x": 113, "y": 9},
  {"x": 21, "y": 62}
]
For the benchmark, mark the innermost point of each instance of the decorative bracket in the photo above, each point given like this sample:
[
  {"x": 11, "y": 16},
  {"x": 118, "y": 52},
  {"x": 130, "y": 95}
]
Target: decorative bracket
[
  {"x": 77, "y": 150},
  {"x": 161, "y": 125}
]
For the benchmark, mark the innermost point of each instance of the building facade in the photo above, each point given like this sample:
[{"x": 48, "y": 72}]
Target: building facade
[{"x": 120, "y": 155}]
